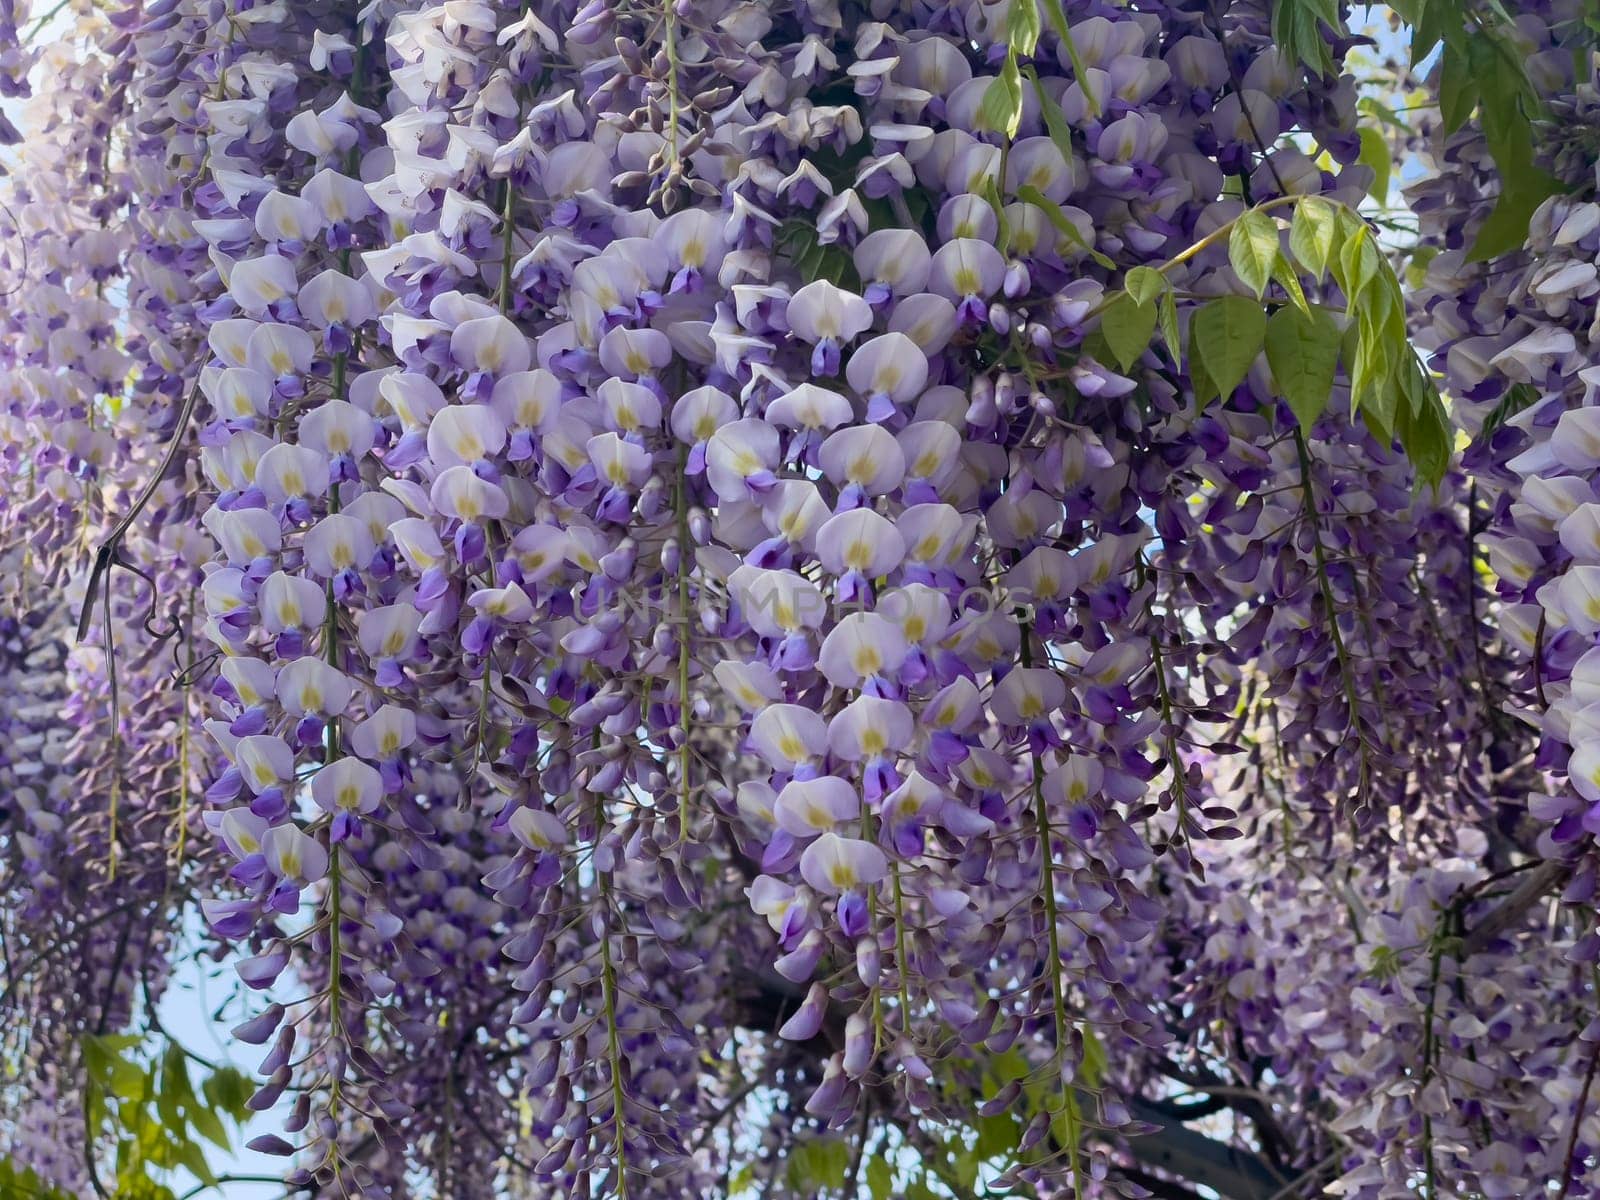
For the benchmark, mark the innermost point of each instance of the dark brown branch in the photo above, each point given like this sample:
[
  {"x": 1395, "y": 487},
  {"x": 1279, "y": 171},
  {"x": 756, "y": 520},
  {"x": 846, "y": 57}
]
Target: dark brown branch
[{"x": 1542, "y": 880}]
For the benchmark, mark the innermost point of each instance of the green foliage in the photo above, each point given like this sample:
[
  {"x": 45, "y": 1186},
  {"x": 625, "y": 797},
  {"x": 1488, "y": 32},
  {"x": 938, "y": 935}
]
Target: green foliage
[
  {"x": 1253, "y": 249},
  {"x": 1296, "y": 27},
  {"x": 880, "y": 1179},
  {"x": 818, "y": 1164},
  {"x": 1518, "y": 397},
  {"x": 1127, "y": 325},
  {"x": 1303, "y": 352},
  {"x": 1311, "y": 236},
  {"x": 1375, "y": 153},
  {"x": 1001, "y": 108},
  {"x": 142, "y": 1101},
  {"x": 1058, "y": 22},
  {"x": 1023, "y": 27},
  {"x": 21, "y": 1183},
  {"x": 1055, "y": 121},
  {"x": 797, "y": 241},
  {"x": 1483, "y": 67},
  {"x": 1225, "y": 336},
  {"x": 1145, "y": 284},
  {"x": 1063, "y": 226},
  {"x": 1329, "y": 243}
]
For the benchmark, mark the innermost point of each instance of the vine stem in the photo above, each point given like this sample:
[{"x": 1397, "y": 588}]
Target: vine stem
[
  {"x": 1047, "y": 884},
  {"x": 1571, "y": 1159},
  {"x": 671, "y": 32},
  {"x": 1346, "y": 672},
  {"x": 1216, "y": 235},
  {"x": 1226, "y": 230},
  {"x": 1430, "y": 1178},
  {"x": 183, "y": 742},
  {"x": 608, "y": 984},
  {"x": 1180, "y": 783},
  {"x": 685, "y": 718}
]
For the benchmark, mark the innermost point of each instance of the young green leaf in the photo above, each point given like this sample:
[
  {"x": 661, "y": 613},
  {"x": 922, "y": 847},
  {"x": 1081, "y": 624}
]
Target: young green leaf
[
  {"x": 1000, "y": 111},
  {"x": 1127, "y": 326},
  {"x": 1424, "y": 429},
  {"x": 1458, "y": 91},
  {"x": 819, "y": 1164},
  {"x": 1295, "y": 27},
  {"x": 1253, "y": 248},
  {"x": 1023, "y": 26},
  {"x": 1313, "y": 234},
  {"x": 880, "y": 1179},
  {"x": 1144, "y": 284},
  {"x": 1055, "y": 121},
  {"x": 1375, "y": 154},
  {"x": 1167, "y": 313},
  {"x": 1303, "y": 352},
  {"x": 1506, "y": 227},
  {"x": 1359, "y": 261},
  {"x": 1228, "y": 334},
  {"x": 1288, "y": 279},
  {"x": 1374, "y": 392},
  {"x": 1058, "y": 22},
  {"x": 1052, "y": 211}
]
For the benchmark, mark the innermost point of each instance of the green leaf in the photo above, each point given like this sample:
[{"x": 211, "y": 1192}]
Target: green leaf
[
  {"x": 170, "y": 1098},
  {"x": 1374, "y": 393},
  {"x": 1144, "y": 284},
  {"x": 189, "y": 1157},
  {"x": 880, "y": 1178},
  {"x": 1506, "y": 103},
  {"x": 1375, "y": 154},
  {"x": 1358, "y": 262},
  {"x": 1518, "y": 397},
  {"x": 1204, "y": 389},
  {"x": 1000, "y": 111},
  {"x": 108, "y": 1062},
  {"x": 1303, "y": 352},
  {"x": 1426, "y": 18},
  {"x": 1167, "y": 313},
  {"x": 1127, "y": 327},
  {"x": 1506, "y": 228},
  {"x": 24, "y": 1184},
  {"x": 1058, "y": 22},
  {"x": 1052, "y": 211},
  {"x": 1295, "y": 29},
  {"x": 815, "y": 260},
  {"x": 1284, "y": 273},
  {"x": 1093, "y": 1068},
  {"x": 1417, "y": 267},
  {"x": 1228, "y": 334},
  {"x": 1055, "y": 121},
  {"x": 1253, "y": 248},
  {"x": 1372, "y": 107},
  {"x": 1423, "y": 427},
  {"x": 209, "y": 1126},
  {"x": 1458, "y": 91},
  {"x": 1023, "y": 26},
  {"x": 997, "y": 1136},
  {"x": 818, "y": 1163},
  {"x": 229, "y": 1089},
  {"x": 1313, "y": 234}
]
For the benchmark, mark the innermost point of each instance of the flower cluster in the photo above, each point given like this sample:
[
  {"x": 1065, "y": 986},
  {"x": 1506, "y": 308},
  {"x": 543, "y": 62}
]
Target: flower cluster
[{"x": 1512, "y": 339}]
